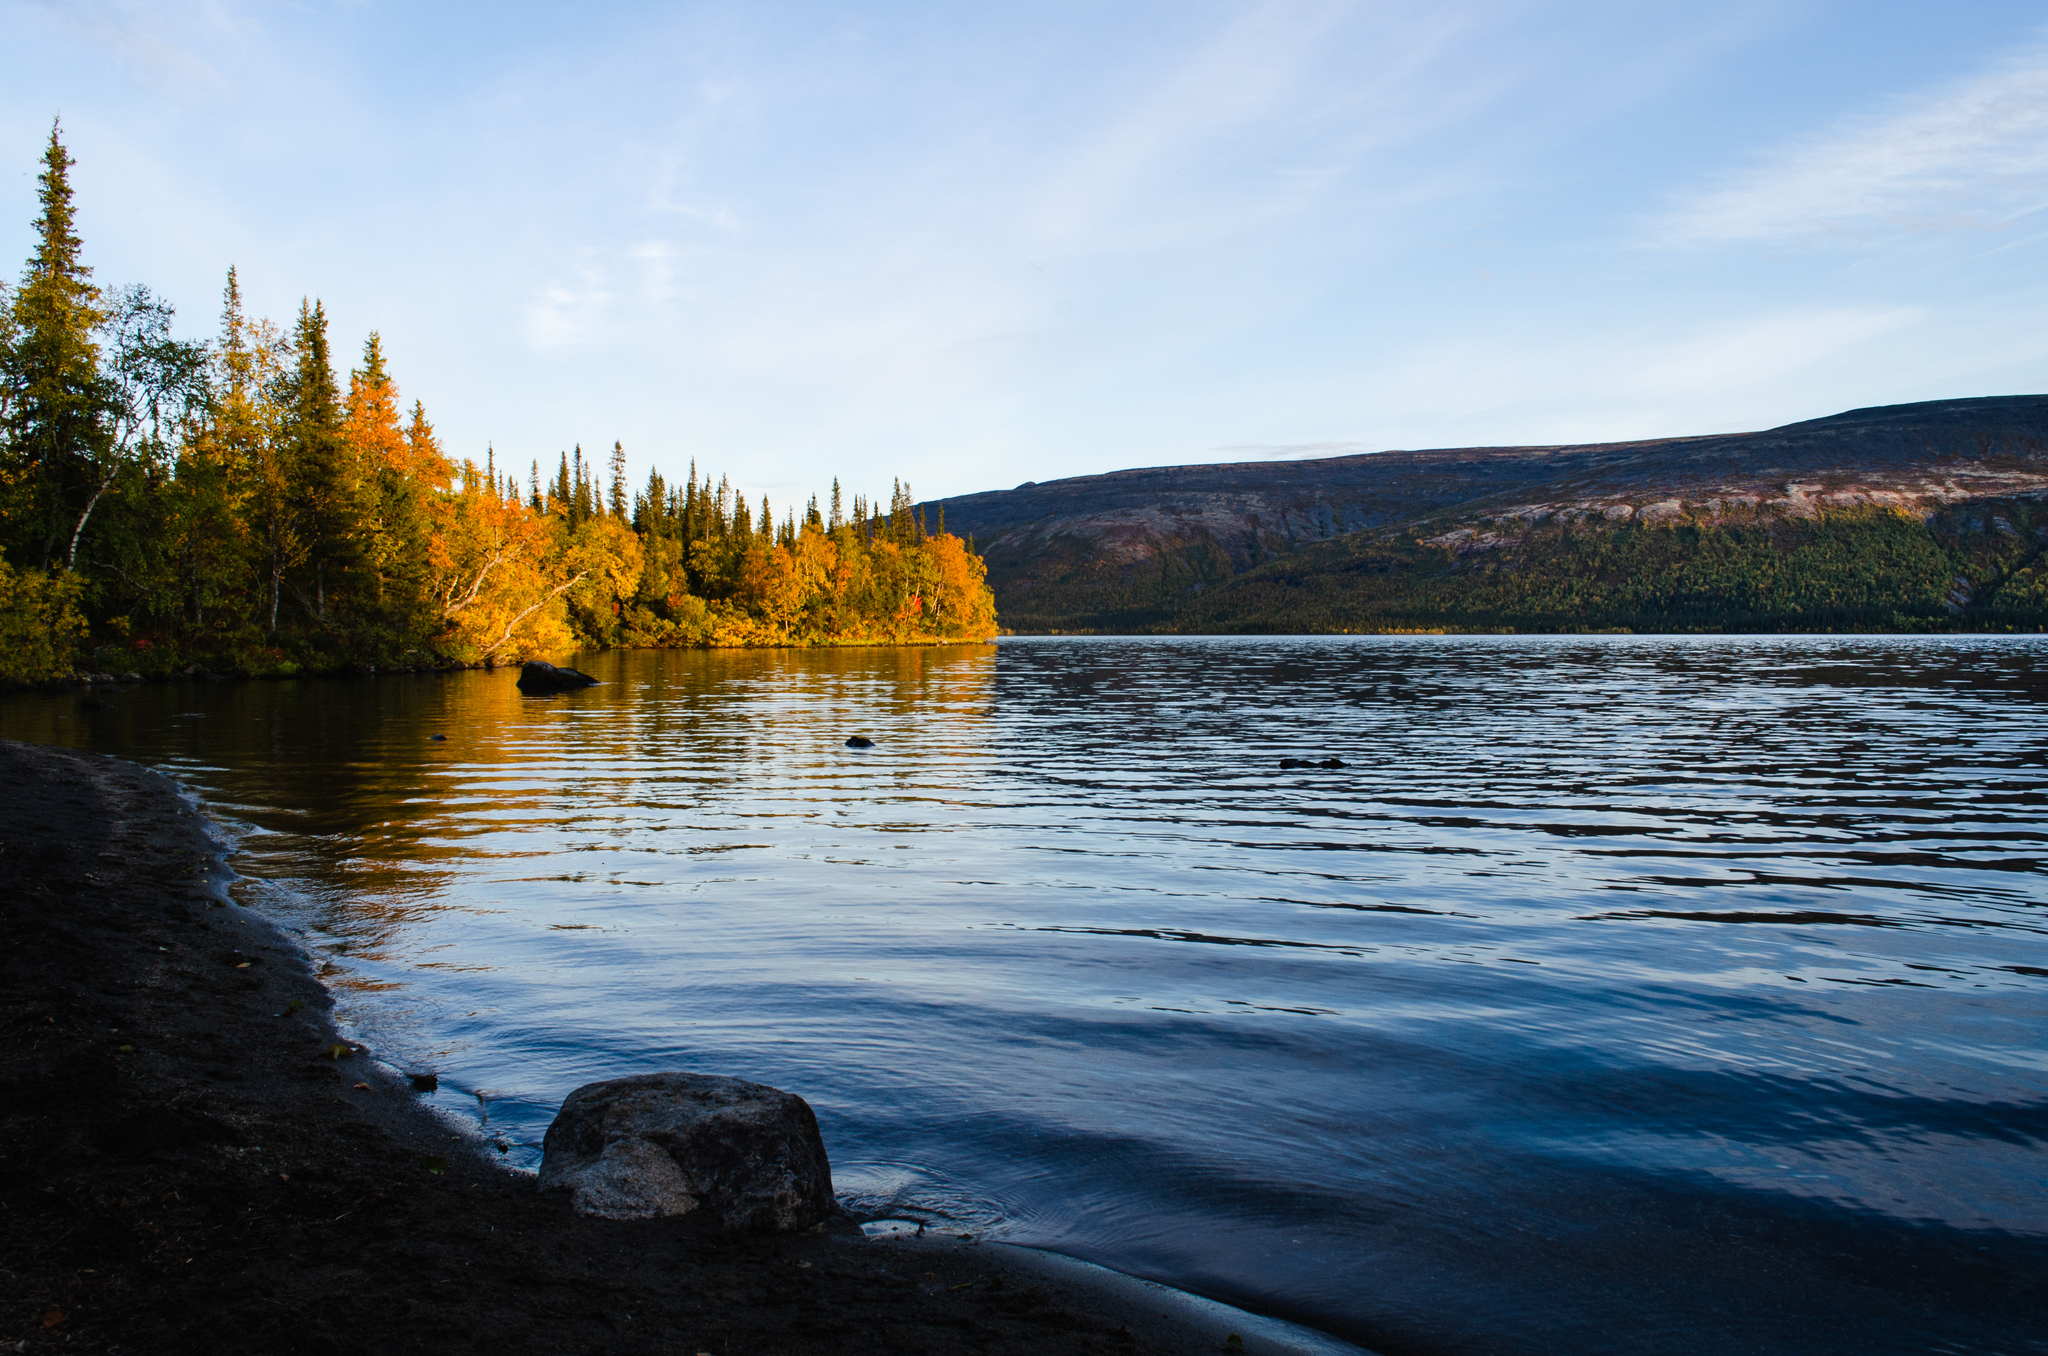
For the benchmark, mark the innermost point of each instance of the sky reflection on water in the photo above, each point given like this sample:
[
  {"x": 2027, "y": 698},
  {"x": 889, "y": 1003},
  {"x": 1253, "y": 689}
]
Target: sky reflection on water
[{"x": 1618, "y": 993}]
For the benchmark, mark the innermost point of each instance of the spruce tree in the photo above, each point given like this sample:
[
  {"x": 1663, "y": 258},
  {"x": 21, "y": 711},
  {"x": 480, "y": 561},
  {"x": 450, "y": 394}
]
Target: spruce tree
[
  {"x": 618, "y": 477},
  {"x": 584, "y": 506},
  {"x": 326, "y": 486},
  {"x": 56, "y": 401},
  {"x": 221, "y": 476}
]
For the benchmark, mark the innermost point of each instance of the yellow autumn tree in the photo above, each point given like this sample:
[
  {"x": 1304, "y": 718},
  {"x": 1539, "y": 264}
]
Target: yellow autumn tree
[{"x": 491, "y": 575}]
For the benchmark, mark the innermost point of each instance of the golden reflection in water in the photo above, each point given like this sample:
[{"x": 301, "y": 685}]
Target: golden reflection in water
[{"x": 344, "y": 776}]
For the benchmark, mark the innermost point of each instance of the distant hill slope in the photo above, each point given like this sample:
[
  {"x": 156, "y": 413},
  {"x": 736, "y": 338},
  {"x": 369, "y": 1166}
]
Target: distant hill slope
[{"x": 1897, "y": 517}]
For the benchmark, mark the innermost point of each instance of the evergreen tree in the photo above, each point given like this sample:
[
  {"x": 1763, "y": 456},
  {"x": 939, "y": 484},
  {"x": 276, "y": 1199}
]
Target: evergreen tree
[
  {"x": 325, "y": 486},
  {"x": 218, "y": 506},
  {"x": 618, "y": 481},
  {"x": 55, "y": 402},
  {"x": 583, "y": 503}
]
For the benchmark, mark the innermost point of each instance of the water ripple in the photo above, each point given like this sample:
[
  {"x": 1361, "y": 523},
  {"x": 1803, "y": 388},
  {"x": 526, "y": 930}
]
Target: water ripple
[{"x": 1599, "y": 963}]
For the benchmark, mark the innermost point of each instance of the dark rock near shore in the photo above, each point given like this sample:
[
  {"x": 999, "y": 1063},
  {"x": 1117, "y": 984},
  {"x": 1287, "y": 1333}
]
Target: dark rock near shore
[
  {"x": 746, "y": 1154},
  {"x": 534, "y": 676}
]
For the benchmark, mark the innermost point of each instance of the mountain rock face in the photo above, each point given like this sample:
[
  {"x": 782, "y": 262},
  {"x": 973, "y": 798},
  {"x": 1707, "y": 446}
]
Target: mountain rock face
[{"x": 1169, "y": 548}]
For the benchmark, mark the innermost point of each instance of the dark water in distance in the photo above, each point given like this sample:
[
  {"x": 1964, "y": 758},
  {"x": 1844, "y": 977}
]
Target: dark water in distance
[{"x": 1622, "y": 994}]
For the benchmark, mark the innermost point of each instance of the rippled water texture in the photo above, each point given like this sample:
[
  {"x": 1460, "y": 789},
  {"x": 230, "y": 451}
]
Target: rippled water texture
[{"x": 1618, "y": 995}]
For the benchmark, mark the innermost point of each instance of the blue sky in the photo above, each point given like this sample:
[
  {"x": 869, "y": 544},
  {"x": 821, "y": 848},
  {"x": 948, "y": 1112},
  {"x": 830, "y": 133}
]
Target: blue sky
[{"x": 973, "y": 245}]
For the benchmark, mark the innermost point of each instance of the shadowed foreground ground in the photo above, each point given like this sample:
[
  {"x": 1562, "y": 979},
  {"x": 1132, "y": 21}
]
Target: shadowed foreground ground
[{"x": 183, "y": 1168}]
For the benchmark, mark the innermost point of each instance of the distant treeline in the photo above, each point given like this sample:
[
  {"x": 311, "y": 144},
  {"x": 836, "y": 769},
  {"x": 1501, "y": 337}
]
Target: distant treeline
[
  {"x": 1975, "y": 567},
  {"x": 238, "y": 505}
]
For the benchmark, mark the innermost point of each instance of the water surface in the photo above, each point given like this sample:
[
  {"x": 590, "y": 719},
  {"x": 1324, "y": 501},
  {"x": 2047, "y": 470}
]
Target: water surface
[{"x": 1617, "y": 995}]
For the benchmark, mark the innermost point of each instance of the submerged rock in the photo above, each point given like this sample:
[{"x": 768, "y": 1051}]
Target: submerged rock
[
  {"x": 746, "y": 1155},
  {"x": 535, "y": 676}
]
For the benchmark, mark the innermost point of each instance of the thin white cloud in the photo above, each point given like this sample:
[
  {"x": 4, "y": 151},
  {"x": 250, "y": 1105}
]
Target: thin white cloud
[
  {"x": 1251, "y": 70},
  {"x": 1624, "y": 385},
  {"x": 1968, "y": 155},
  {"x": 656, "y": 259},
  {"x": 1756, "y": 351},
  {"x": 563, "y": 315},
  {"x": 124, "y": 29}
]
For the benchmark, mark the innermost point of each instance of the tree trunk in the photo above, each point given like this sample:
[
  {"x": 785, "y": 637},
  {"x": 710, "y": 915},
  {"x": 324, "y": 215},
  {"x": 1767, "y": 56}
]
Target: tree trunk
[{"x": 71, "y": 556}]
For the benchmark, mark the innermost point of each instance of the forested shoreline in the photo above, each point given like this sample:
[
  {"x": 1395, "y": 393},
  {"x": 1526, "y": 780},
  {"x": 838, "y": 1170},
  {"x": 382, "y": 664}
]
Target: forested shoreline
[
  {"x": 1978, "y": 566},
  {"x": 240, "y": 506}
]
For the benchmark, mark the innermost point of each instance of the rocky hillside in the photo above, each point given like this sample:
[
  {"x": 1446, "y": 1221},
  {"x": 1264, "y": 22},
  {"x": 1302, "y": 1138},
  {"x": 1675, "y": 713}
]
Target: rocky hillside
[{"x": 1896, "y": 516}]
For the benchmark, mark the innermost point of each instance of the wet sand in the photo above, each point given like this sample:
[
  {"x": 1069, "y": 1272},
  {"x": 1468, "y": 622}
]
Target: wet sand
[{"x": 184, "y": 1165}]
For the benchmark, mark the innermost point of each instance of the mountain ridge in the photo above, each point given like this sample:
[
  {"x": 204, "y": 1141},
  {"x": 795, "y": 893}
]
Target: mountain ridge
[{"x": 1138, "y": 548}]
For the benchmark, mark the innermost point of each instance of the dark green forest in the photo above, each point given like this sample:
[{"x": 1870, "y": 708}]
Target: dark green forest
[{"x": 1974, "y": 567}]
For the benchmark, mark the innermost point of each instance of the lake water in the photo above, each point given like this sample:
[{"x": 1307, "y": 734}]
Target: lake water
[{"x": 1619, "y": 994}]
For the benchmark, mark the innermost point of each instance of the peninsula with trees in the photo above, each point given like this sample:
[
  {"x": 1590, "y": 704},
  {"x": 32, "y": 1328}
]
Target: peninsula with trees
[{"x": 239, "y": 505}]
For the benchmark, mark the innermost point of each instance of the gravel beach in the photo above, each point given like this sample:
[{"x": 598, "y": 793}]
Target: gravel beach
[{"x": 185, "y": 1164}]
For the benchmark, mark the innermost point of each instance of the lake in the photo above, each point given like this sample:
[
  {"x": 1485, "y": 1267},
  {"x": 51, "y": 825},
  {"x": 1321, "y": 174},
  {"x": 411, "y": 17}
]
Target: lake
[{"x": 1617, "y": 994}]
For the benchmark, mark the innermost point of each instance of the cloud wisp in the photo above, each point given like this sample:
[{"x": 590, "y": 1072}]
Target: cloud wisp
[{"x": 1969, "y": 155}]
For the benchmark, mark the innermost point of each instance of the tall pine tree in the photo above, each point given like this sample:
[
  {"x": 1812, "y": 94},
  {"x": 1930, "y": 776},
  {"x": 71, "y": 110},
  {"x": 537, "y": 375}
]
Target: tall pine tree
[
  {"x": 56, "y": 401},
  {"x": 326, "y": 483}
]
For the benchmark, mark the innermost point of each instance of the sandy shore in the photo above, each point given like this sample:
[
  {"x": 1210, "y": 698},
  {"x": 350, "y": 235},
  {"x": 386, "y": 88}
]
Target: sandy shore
[{"x": 184, "y": 1166}]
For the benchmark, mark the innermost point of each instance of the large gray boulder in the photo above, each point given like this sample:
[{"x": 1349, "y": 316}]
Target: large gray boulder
[
  {"x": 534, "y": 676},
  {"x": 748, "y": 1156}
]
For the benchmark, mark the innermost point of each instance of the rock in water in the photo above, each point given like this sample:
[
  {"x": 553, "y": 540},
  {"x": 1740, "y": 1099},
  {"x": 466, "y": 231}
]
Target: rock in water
[
  {"x": 749, "y": 1156},
  {"x": 860, "y": 742},
  {"x": 535, "y": 676}
]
